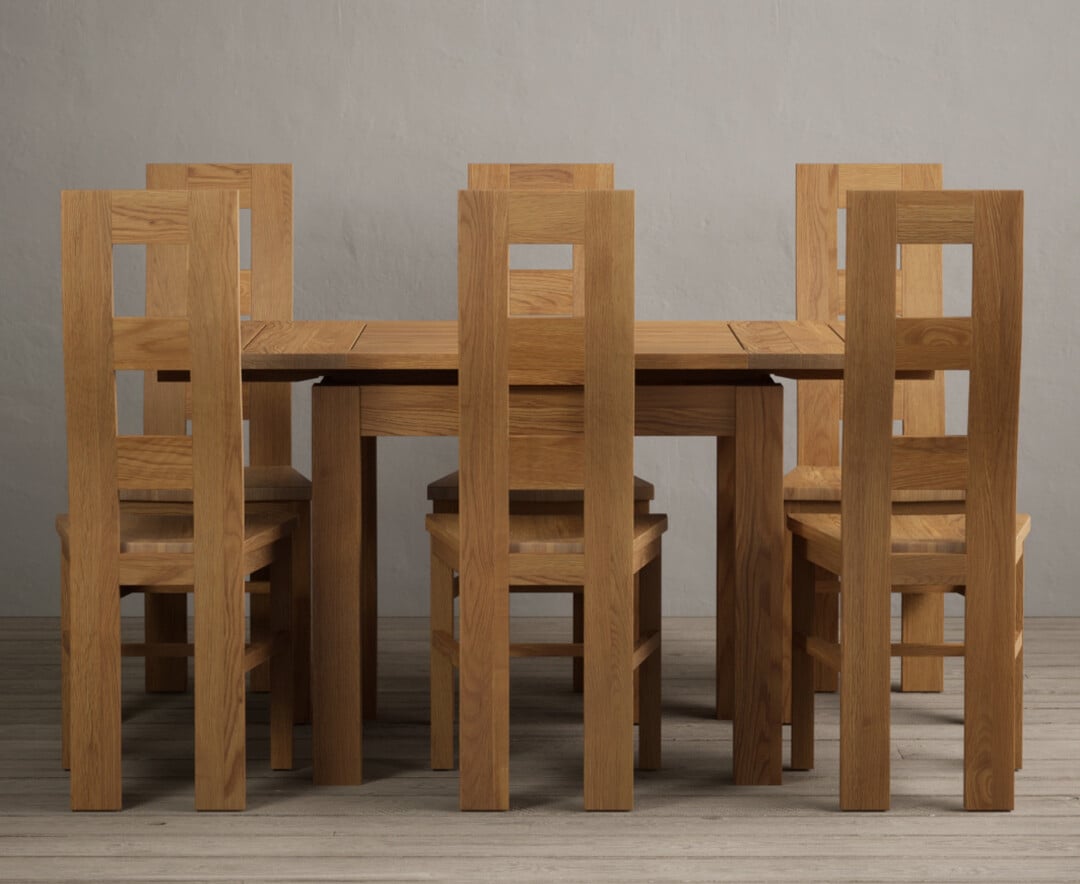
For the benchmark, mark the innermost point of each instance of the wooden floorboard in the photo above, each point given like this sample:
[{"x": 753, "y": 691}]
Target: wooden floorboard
[{"x": 690, "y": 822}]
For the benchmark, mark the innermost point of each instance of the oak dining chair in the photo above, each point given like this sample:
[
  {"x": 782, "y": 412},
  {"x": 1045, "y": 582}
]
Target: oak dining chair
[
  {"x": 205, "y": 547},
  {"x": 546, "y": 404},
  {"x": 919, "y": 406},
  {"x": 872, "y": 548},
  {"x": 540, "y": 292},
  {"x": 270, "y": 481}
]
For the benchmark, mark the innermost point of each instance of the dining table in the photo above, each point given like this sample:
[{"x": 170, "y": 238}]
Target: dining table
[{"x": 399, "y": 378}]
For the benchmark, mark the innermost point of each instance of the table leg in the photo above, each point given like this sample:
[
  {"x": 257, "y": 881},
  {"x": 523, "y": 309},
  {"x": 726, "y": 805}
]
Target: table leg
[
  {"x": 758, "y": 584},
  {"x": 336, "y": 522},
  {"x": 369, "y": 578},
  {"x": 725, "y": 576}
]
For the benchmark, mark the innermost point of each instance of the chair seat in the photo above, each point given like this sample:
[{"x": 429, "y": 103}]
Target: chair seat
[
  {"x": 261, "y": 485},
  {"x": 810, "y": 483},
  {"x": 446, "y": 489},
  {"x": 547, "y": 534},
  {"x": 936, "y": 534},
  {"x": 173, "y": 535}
]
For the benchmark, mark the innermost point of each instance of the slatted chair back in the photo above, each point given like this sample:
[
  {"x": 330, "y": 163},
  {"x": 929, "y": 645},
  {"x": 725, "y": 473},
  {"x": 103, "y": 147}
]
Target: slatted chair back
[
  {"x": 266, "y": 293},
  {"x": 820, "y": 285},
  {"x": 545, "y": 292},
  {"x": 102, "y": 463},
  {"x": 983, "y": 462}
]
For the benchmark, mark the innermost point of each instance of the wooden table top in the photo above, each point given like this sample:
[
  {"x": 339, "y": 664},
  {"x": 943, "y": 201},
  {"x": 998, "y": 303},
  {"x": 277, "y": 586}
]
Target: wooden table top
[{"x": 314, "y": 348}]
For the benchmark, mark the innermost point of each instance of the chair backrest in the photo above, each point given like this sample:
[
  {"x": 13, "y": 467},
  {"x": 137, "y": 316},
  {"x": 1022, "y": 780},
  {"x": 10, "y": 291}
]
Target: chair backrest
[
  {"x": 986, "y": 344},
  {"x": 820, "y": 194},
  {"x": 266, "y": 292},
  {"x": 576, "y": 373},
  {"x": 206, "y": 342},
  {"x": 545, "y": 292}
]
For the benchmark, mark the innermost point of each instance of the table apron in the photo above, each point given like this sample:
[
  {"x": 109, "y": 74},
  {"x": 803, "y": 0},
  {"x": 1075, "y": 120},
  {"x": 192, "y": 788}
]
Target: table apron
[{"x": 660, "y": 410}]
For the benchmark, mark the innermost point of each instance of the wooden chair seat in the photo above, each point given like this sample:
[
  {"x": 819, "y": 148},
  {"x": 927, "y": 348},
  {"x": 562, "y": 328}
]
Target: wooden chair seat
[
  {"x": 936, "y": 534},
  {"x": 269, "y": 484},
  {"x": 822, "y": 484},
  {"x": 446, "y": 490},
  {"x": 175, "y": 534},
  {"x": 546, "y": 534}
]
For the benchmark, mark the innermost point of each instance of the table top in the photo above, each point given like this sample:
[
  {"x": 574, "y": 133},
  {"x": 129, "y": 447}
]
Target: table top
[{"x": 313, "y": 348}]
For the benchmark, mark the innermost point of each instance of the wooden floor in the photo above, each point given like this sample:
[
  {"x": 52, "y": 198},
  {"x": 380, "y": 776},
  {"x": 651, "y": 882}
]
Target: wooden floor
[{"x": 690, "y": 824}]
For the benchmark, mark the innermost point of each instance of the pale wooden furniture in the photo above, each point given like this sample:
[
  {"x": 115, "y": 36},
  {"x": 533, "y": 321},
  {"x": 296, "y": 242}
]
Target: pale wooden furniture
[
  {"x": 574, "y": 371},
  {"x": 106, "y": 552},
  {"x": 544, "y": 293},
  {"x": 814, "y": 484},
  {"x": 874, "y": 550},
  {"x": 270, "y": 482},
  {"x": 708, "y": 378}
]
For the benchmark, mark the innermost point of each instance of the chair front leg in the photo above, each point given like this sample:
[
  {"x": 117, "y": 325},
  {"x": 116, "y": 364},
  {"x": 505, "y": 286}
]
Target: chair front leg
[
  {"x": 282, "y": 660},
  {"x": 442, "y": 667},
  {"x": 803, "y": 610},
  {"x": 649, "y": 612}
]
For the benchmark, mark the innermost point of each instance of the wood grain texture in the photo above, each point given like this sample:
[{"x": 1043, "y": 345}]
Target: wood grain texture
[
  {"x": 981, "y": 552},
  {"x": 217, "y": 454},
  {"x": 993, "y": 422},
  {"x": 90, "y": 396},
  {"x": 609, "y": 505},
  {"x": 266, "y": 293},
  {"x": 336, "y": 525},
  {"x": 138, "y": 550},
  {"x": 599, "y": 553},
  {"x": 483, "y": 245},
  {"x": 820, "y": 193},
  {"x": 865, "y": 503},
  {"x": 725, "y": 577},
  {"x": 758, "y": 604}
]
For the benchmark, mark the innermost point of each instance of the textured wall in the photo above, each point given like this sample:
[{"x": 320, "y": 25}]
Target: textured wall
[{"x": 705, "y": 107}]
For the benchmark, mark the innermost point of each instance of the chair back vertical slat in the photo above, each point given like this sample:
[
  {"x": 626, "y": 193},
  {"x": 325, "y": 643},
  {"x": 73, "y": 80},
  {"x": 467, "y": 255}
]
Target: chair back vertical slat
[
  {"x": 865, "y": 503},
  {"x": 922, "y": 402},
  {"x": 270, "y": 404},
  {"x": 609, "y": 480},
  {"x": 483, "y": 247},
  {"x": 993, "y": 426},
  {"x": 90, "y": 399},
  {"x": 165, "y": 404},
  {"x": 217, "y": 455}
]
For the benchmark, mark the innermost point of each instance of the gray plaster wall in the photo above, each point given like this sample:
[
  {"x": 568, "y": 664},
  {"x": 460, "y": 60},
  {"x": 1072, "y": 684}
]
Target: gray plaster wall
[{"x": 704, "y": 107}]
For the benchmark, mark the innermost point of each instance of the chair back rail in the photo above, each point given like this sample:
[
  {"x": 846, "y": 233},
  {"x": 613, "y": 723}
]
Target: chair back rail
[{"x": 545, "y": 292}]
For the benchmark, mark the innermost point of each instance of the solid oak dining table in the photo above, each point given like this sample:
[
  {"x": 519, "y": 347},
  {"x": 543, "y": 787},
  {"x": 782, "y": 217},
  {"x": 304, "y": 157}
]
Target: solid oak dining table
[{"x": 399, "y": 378}]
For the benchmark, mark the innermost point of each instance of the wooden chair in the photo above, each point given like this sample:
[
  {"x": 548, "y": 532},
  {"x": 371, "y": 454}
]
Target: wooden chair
[
  {"x": 270, "y": 482},
  {"x": 539, "y": 293},
  {"x": 546, "y": 404},
  {"x": 871, "y": 547},
  {"x": 814, "y": 484},
  {"x": 107, "y": 552}
]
